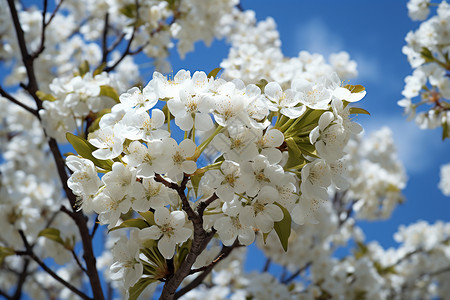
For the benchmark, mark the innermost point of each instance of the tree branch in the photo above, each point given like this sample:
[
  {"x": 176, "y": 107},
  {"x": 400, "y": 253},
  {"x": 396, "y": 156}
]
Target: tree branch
[
  {"x": 29, "y": 252},
  {"x": 5, "y": 295},
  {"x": 105, "y": 51},
  {"x": 127, "y": 49},
  {"x": 199, "y": 242},
  {"x": 294, "y": 275},
  {"x": 27, "y": 59},
  {"x": 22, "y": 277},
  {"x": 15, "y": 101},
  {"x": 204, "y": 204},
  {"x": 207, "y": 269},
  {"x": 44, "y": 27},
  {"x": 78, "y": 261}
]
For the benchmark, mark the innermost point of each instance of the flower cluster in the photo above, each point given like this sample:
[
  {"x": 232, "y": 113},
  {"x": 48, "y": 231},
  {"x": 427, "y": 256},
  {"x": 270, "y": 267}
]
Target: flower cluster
[
  {"x": 278, "y": 152},
  {"x": 427, "y": 50}
]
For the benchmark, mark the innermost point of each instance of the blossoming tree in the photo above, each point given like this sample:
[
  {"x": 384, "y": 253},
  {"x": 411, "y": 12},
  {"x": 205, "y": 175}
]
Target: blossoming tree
[{"x": 169, "y": 178}]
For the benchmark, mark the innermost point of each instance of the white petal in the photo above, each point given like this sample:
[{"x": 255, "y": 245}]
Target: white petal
[
  {"x": 341, "y": 93},
  {"x": 177, "y": 219},
  {"x": 184, "y": 121},
  {"x": 246, "y": 236},
  {"x": 203, "y": 122},
  {"x": 293, "y": 112},
  {"x": 162, "y": 216},
  {"x": 150, "y": 233},
  {"x": 273, "y": 138},
  {"x": 273, "y": 90},
  {"x": 189, "y": 166},
  {"x": 356, "y": 96},
  {"x": 167, "y": 247},
  {"x": 325, "y": 119},
  {"x": 158, "y": 118},
  {"x": 188, "y": 147}
]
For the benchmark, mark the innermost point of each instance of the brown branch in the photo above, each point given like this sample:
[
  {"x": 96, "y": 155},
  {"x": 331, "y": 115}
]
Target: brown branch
[
  {"x": 27, "y": 59},
  {"x": 94, "y": 230},
  {"x": 44, "y": 27},
  {"x": 204, "y": 204},
  {"x": 78, "y": 216},
  {"x": 222, "y": 255},
  {"x": 294, "y": 275},
  {"x": 199, "y": 242},
  {"x": 5, "y": 295},
  {"x": 29, "y": 252},
  {"x": 127, "y": 49},
  {"x": 105, "y": 51},
  {"x": 226, "y": 250},
  {"x": 21, "y": 280},
  {"x": 267, "y": 265},
  {"x": 78, "y": 261},
  {"x": 15, "y": 101}
]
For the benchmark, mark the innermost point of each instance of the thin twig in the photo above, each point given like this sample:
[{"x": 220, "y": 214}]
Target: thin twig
[
  {"x": 295, "y": 274},
  {"x": 78, "y": 261},
  {"x": 94, "y": 230},
  {"x": 78, "y": 216},
  {"x": 127, "y": 49},
  {"x": 5, "y": 295},
  {"x": 104, "y": 39},
  {"x": 41, "y": 48},
  {"x": 222, "y": 255},
  {"x": 15, "y": 101},
  {"x": 20, "y": 282},
  {"x": 267, "y": 265},
  {"x": 199, "y": 279},
  {"x": 204, "y": 204},
  {"x": 29, "y": 252}
]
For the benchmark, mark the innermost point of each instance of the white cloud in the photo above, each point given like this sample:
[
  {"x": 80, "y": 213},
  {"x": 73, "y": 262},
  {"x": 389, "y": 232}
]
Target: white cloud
[
  {"x": 416, "y": 148},
  {"x": 315, "y": 36}
]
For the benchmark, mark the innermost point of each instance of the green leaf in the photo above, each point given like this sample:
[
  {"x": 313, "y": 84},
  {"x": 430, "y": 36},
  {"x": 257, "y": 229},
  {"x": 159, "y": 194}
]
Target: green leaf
[
  {"x": 283, "y": 228},
  {"x": 99, "y": 69},
  {"x": 265, "y": 235},
  {"x": 4, "y": 252},
  {"x": 182, "y": 252},
  {"x": 308, "y": 149},
  {"x": 262, "y": 84},
  {"x": 309, "y": 120},
  {"x": 166, "y": 112},
  {"x": 445, "y": 131},
  {"x": 361, "y": 251},
  {"x": 95, "y": 125},
  {"x": 214, "y": 73},
  {"x": 427, "y": 55},
  {"x": 129, "y": 11},
  {"x": 83, "y": 68},
  {"x": 137, "y": 223},
  {"x": 354, "y": 88},
  {"x": 358, "y": 110},
  {"x": 149, "y": 217},
  {"x": 195, "y": 180},
  {"x": 295, "y": 155},
  {"x": 109, "y": 91},
  {"x": 384, "y": 270},
  {"x": 45, "y": 97},
  {"x": 52, "y": 234},
  {"x": 85, "y": 149},
  {"x": 139, "y": 287}
]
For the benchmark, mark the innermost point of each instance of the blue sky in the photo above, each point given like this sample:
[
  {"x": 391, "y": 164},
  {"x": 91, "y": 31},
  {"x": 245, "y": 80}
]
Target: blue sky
[{"x": 373, "y": 33}]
